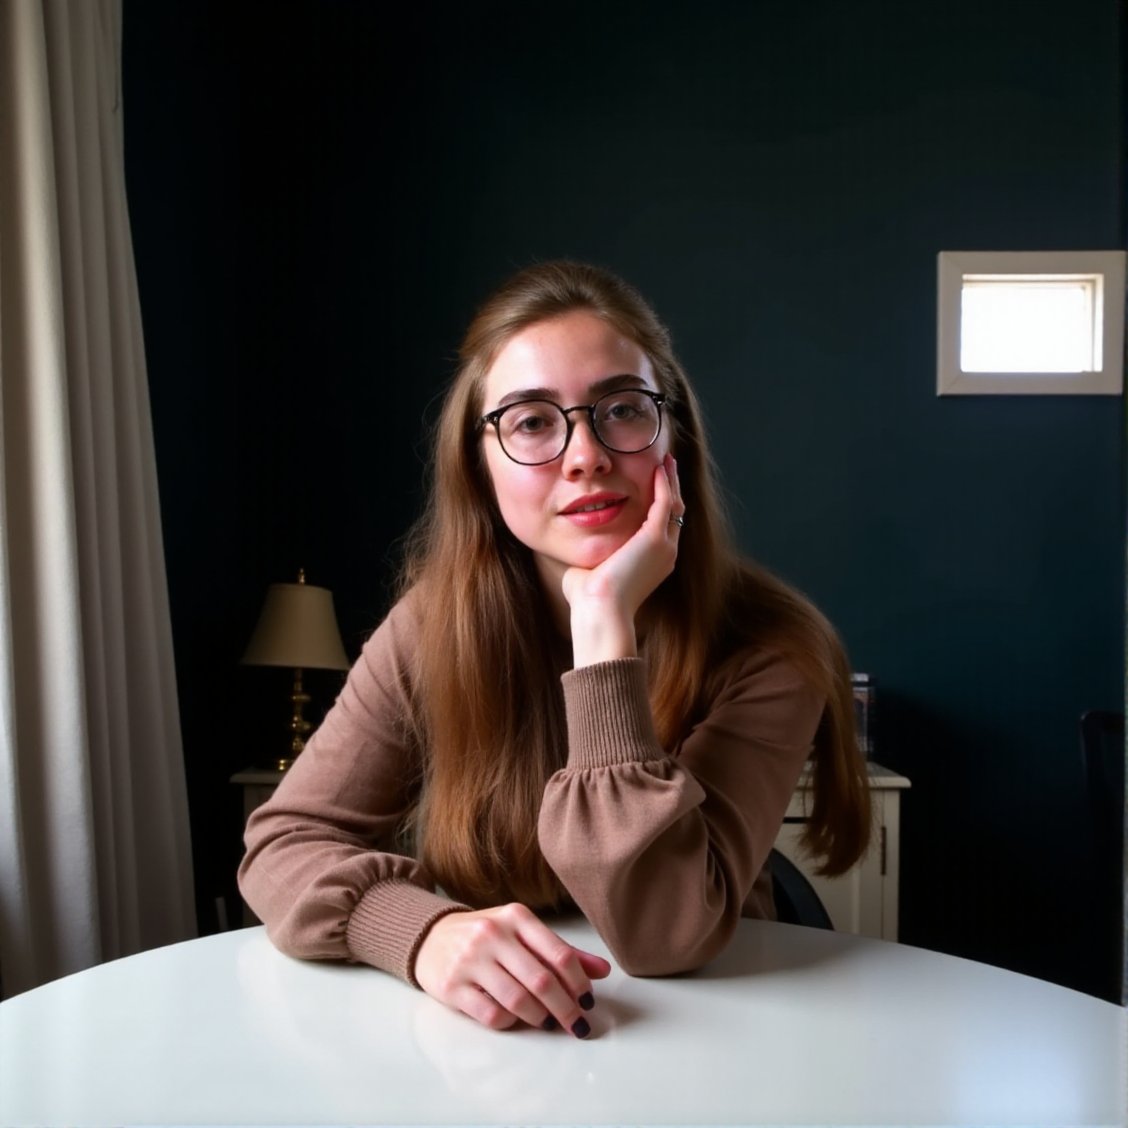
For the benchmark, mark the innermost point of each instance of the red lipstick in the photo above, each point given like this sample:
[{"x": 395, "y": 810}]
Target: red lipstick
[{"x": 593, "y": 510}]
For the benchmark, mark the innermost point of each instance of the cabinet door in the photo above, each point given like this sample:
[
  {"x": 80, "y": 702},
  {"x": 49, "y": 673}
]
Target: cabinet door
[{"x": 854, "y": 900}]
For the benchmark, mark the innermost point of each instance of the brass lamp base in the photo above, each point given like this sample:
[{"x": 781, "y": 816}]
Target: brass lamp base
[{"x": 299, "y": 726}]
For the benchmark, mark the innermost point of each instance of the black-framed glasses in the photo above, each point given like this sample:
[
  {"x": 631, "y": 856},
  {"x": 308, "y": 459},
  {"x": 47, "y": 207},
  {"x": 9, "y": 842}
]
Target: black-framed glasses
[{"x": 533, "y": 432}]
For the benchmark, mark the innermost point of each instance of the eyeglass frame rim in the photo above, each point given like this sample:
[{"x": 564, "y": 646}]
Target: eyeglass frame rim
[{"x": 661, "y": 399}]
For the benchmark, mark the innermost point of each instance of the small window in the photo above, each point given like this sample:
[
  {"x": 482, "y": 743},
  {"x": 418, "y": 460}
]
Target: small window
[{"x": 1030, "y": 323}]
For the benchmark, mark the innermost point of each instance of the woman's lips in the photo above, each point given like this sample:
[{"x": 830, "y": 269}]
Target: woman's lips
[{"x": 591, "y": 513}]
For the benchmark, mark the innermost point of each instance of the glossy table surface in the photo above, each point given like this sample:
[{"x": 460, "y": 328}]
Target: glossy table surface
[{"x": 790, "y": 1026}]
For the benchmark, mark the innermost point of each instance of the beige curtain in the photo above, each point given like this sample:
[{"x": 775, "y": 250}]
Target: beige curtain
[{"x": 94, "y": 846}]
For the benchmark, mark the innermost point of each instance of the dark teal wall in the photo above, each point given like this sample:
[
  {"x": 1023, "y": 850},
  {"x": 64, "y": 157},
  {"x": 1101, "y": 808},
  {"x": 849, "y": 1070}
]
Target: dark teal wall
[{"x": 319, "y": 201}]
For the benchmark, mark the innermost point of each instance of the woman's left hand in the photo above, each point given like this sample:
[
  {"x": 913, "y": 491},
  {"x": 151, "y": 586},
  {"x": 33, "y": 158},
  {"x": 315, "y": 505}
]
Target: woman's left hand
[{"x": 605, "y": 599}]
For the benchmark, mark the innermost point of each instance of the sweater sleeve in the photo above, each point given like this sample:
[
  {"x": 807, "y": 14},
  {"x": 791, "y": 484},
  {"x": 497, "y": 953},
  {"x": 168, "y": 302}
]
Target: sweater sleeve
[
  {"x": 661, "y": 851},
  {"x": 320, "y": 868}
]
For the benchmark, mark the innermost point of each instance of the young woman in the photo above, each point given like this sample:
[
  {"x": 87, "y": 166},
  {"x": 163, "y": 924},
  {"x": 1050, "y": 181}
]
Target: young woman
[{"x": 583, "y": 698}]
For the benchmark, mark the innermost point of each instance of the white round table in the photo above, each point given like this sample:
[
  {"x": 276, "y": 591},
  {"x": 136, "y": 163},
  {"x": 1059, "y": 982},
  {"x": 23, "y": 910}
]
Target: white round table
[{"x": 790, "y": 1026}]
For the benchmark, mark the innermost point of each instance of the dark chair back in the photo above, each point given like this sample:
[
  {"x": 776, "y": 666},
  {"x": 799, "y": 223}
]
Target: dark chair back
[
  {"x": 1102, "y": 748},
  {"x": 795, "y": 898}
]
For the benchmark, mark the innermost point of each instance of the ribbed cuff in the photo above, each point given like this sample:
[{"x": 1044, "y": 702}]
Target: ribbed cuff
[
  {"x": 608, "y": 715},
  {"x": 389, "y": 923}
]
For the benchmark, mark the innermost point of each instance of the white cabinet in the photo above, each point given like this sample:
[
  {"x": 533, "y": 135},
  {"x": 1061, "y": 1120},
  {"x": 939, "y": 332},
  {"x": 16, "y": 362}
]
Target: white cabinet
[{"x": 864, "y": 899}]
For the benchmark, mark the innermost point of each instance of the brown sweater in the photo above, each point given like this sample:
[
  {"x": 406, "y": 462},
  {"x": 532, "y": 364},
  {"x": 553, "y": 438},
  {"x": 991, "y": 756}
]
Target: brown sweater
[{"x": 662, "y": 852}]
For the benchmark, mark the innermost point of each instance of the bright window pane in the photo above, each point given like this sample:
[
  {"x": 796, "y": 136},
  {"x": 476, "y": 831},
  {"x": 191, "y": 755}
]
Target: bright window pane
[{"x": 1013, "y": 325}]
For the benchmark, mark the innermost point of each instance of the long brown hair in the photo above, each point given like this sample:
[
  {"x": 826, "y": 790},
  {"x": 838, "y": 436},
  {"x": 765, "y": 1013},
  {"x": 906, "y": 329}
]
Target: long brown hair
[{"x": 491, "y": 723}]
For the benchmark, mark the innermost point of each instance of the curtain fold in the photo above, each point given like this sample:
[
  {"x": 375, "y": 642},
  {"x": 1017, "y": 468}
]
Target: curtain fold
[{"x": 95, "y": 857}]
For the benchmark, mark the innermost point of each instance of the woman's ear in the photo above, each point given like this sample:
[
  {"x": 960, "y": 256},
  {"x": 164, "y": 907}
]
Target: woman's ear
[{"x": 483, "y": 479}]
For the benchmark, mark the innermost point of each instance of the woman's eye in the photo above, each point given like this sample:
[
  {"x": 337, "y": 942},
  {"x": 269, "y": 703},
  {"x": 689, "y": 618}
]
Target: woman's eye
[
  {"x": 620, "y": 411},
  {"x": 529, "y": 421}
]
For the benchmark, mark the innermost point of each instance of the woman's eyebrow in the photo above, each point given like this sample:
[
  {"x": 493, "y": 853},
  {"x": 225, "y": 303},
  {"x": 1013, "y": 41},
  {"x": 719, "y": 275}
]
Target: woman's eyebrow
[{"x": 598, "y": 388}]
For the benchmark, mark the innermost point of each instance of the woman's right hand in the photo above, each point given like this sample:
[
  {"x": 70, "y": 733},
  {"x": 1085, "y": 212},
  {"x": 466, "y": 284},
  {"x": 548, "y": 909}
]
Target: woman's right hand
[
  {"x": 502, "y": 966},
  {"x": 604, "y": 600}
]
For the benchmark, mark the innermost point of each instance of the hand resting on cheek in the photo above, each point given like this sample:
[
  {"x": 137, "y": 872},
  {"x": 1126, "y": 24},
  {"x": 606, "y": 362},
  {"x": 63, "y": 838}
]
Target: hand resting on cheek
[{"x": 604, "y": 600}]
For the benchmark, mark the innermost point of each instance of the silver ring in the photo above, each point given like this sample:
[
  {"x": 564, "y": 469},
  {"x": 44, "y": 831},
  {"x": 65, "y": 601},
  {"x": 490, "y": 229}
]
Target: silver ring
[{"x": 679, "y": 521}]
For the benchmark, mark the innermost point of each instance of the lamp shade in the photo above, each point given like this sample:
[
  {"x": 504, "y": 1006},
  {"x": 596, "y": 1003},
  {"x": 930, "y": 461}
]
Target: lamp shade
[{"x": 298, "y": 628}]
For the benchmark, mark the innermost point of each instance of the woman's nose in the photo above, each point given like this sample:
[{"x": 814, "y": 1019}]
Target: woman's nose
[{"x": 585, "y": 454}]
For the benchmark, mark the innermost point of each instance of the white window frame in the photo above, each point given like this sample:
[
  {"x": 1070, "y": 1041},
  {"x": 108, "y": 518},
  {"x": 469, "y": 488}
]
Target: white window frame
[{"x": 1107, "y": 266}]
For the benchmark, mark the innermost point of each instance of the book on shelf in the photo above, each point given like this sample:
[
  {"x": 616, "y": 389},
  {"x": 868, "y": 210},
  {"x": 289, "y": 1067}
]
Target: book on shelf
[{"x": 865, "y": 703}]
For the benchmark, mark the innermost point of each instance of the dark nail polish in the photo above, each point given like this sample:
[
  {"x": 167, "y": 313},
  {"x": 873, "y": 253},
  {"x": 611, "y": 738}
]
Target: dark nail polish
[
  {"x": 549, "y": 1023},
  {"x": 580, "y": 1028},
  {"x": 586, "y": 1001}
]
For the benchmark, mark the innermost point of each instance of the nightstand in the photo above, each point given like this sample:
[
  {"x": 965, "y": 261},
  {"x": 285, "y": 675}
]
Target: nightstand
[{"x": 258, "y": 784}]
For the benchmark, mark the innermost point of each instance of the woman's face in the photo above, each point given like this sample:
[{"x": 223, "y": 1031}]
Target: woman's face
[{"x": 571, "y": 359}]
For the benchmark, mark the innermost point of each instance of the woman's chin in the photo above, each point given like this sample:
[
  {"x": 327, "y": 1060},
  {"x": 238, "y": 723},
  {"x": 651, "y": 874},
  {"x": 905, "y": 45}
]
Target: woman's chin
[
  {"x": 594, "y": 551},
  {"x": 588, "y": 555}
]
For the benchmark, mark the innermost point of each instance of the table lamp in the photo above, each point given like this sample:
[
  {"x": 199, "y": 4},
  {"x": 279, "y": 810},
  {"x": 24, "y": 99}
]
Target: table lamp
[{"x": 298, "y": 628}]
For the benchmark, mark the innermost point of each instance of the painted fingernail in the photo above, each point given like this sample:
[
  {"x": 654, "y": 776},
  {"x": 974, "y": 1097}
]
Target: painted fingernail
[
  {"x": 580, "y": 1028},
  {"x": 549, "y": 1023},
  {"x": 586, "y": 1001}
]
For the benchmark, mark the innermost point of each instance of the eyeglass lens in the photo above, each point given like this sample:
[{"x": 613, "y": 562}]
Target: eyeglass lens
[{"x": 537, "y": 430}]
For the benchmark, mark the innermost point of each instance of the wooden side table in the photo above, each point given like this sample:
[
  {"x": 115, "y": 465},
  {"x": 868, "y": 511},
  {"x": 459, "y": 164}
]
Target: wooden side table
[{"x": 258, "y": 785}]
